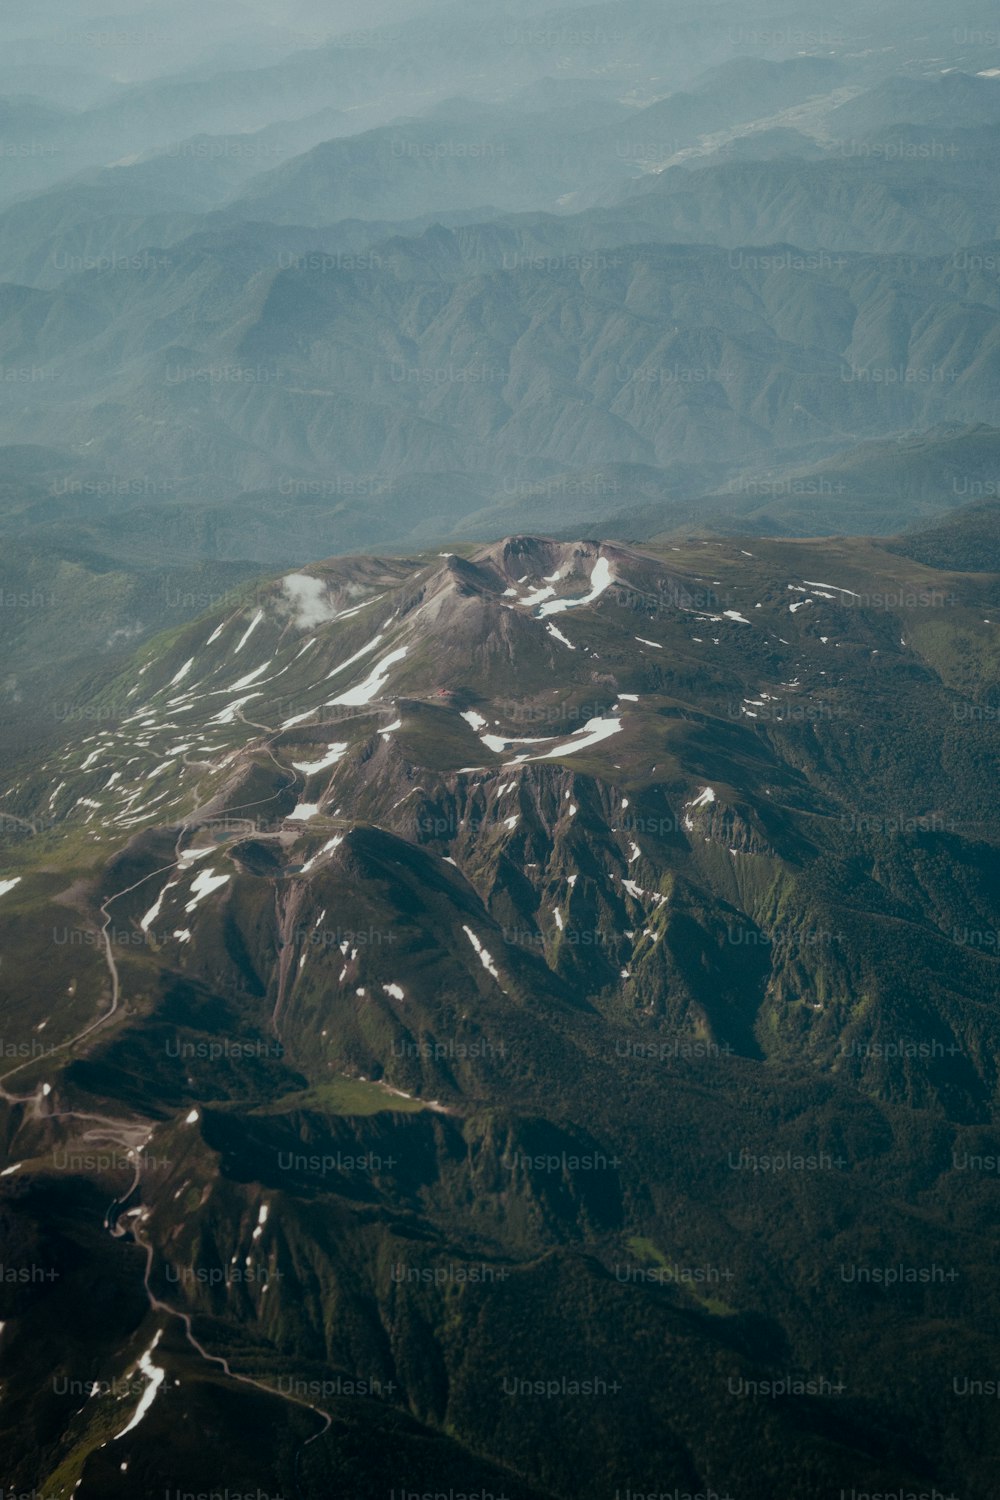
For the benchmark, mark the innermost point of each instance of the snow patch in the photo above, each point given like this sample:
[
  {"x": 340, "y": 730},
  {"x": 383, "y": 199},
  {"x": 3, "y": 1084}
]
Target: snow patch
[
  {"x": 249, "y": 631},
  {"x": 530, "y": 600},
  {"x": 559, "y": 636},
  {"x": 187, "y": 856},
  {"x": 327, "y": 848},
  {"x": 246, "y": 681},
  {"x": 303, "y": 812},
  {"x": 484, "y": 956},
  {"x": 356, "y": 657},
  {"x": 154, "y": 911},
  {"x": 600, "y": 579},
  {"x": 311, "y": 767},
  {"x": 592, "y": 733},
  {"x": 373, "y": 683},
  {"x": 204, "y": 883},
  {"x": 814, "y": 585},
  {"x": 156, "y": 1377},
  {"x": 229, "y": 715}
]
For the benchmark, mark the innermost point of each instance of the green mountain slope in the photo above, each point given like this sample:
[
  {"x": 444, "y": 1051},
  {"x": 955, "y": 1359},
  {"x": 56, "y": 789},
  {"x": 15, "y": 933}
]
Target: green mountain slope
[{"x": 540, "y": 977}]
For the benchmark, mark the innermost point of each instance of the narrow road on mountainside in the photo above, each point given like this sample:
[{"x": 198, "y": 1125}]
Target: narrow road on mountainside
[{"x": 127, "y": 1135}]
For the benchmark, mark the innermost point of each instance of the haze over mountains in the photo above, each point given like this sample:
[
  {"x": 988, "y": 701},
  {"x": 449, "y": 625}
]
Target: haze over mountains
[
  {"x": 357, "y": 269},
  {"x": 499, "y": 593}
]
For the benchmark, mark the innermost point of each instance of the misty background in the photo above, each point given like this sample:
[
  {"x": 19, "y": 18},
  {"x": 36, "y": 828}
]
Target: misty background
[{"x": 280, "y": 282}]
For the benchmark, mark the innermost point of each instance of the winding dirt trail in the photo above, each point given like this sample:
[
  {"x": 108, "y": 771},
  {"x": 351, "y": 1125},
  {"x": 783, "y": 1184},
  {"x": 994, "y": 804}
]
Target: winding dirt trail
[{"x": 133, "y": 1137}]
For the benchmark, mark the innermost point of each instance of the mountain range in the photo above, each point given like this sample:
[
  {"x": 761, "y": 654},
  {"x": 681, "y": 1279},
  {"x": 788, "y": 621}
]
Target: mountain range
[
  {"x": 545, "y": 925},
  {"x": 499, "y": 598}
]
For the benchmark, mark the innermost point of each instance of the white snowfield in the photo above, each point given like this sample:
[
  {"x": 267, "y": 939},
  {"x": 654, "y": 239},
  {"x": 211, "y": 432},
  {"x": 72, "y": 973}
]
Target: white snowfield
[
  {"x": 229, "y": 715},
  {"x": 355, "y": 609},
  {"x": 9, "y": 884},
  {"x": 154, "y": 911},
  {"x": 814, "y": 585},
  {"x": 249, "y": 631},
  {"x": 204, "y": 883},
  {"x": 303, "y": 812},
  {"x": 485, "y": 957},
  {"x": 357, "y": 656},
  {"x": 592, "y": 733},
  {"x": 333, "y": 753},
  {"x": 373, "y": 683},
  {"x": 327, "y": 848},
  {"x": 637, "y": 893},
  {"x": 705, "y": 798},
  {"x": 187, "y": 856},
  {"x": 246, "y": 681},
  {"x": 155, "y": 1376},
  {"x": 500, "y": 742},
  {"x": 600, "y": 579},
  {"x": 530, "y": 600}
]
